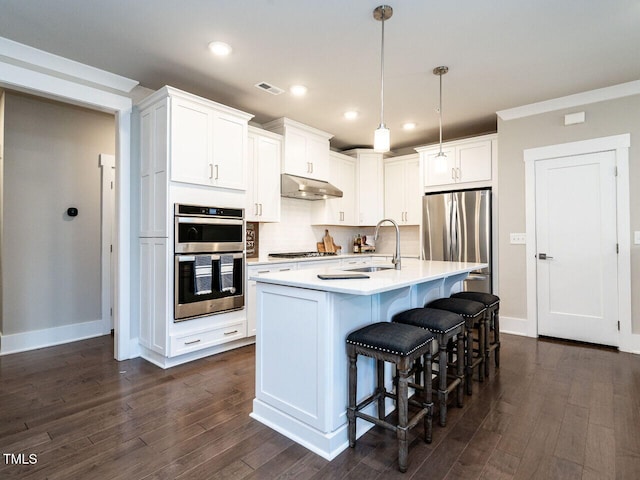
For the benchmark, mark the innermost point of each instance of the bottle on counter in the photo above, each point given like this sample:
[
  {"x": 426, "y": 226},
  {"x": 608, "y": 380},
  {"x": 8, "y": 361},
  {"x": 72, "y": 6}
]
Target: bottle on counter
[{"x": 359, "y": 243}]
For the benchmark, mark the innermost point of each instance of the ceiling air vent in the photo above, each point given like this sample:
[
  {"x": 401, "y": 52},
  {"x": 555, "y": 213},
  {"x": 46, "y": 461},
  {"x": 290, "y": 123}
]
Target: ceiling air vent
[{"x": 267, "y": 87}]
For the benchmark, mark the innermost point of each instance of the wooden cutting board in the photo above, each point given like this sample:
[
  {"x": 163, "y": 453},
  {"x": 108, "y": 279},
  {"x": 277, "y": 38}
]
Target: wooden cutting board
[{"x": 329, "y": 246}]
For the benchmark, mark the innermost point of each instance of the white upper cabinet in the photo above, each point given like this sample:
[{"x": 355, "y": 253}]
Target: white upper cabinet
[
  {"x": 402, "y": 189},
  {"x": 265, "y": 154},
  {"x": 339, "y": 211},
  {"x": 208, "y": 141},
  {"x": 306, "y": 149},
  {"x": 468, "y": 161},
  {"x": 191, "y": 142},
  {"x": 369, "y": 186}
]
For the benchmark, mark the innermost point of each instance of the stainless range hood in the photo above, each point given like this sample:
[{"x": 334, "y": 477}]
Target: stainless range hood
[{"x": 307, "y": 188}]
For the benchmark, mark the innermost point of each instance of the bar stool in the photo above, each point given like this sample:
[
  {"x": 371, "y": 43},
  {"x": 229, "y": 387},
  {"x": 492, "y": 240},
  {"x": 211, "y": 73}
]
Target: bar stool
[
  {"x": 492, "y": 302},
  {"x": 474, "y": 315},
  {"x": 401, "y": 345},
  {"x": 445, "y": 326}
]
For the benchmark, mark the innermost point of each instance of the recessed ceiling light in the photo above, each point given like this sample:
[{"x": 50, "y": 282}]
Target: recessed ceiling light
[
  {"x": 220, "y": 49},
  {"x": 298, "y": 90},
  {"x": 351, "y": 115},
  {"x": 409, "y": 126}
]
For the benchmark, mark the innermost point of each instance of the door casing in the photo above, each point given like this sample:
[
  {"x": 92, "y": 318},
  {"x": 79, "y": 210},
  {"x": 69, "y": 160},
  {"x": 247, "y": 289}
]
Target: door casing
[{"x": 620, "y": 144}]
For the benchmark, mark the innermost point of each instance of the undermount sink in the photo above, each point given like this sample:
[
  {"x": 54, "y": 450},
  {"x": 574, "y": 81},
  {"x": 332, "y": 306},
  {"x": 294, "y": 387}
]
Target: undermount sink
[{"x": 368, "y": 269}]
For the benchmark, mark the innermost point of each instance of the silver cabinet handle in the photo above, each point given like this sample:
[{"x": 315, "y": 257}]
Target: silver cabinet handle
[
  {"x": 543, "y": 256},
  {"x": 192, "y": 342},
  {"x": 216, "y": 172},
  {"x": 210, "y": 170},
  {"x": 311, "y": 167},
  {"x": 256, "y": 209},
  {"x": 260, "y": 209},
  {"x": 308, "y": 167},
  {"x": 284, "y": 269},
  {"x": 263, "y": 271},
  {"x": 230, "y": 333},
  {"x": 453, "y": 174}
]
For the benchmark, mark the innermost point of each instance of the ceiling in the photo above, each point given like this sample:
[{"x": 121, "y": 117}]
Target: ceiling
[{"x": 500, "y": 55}]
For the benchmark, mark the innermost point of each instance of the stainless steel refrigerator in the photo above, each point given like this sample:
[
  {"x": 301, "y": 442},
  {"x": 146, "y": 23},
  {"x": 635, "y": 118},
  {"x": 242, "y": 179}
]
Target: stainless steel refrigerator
[{"x": 456, "y": 226}]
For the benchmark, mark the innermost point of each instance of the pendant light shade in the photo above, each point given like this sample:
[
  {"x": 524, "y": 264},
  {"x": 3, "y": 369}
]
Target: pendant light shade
[
  {"x": 441, "y": 157},
  {"x": 381, "y": 137}
]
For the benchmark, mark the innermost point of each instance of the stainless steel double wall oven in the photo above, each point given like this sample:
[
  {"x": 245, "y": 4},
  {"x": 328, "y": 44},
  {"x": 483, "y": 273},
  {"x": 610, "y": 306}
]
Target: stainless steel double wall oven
[{"x": 213, "y": 239}]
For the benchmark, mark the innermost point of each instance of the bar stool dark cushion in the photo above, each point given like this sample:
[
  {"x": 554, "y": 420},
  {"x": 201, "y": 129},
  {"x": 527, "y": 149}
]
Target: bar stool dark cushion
[
  {"x": 487, "y": 299},
  {"x": 395, "y": 338},
  {"x": 468, "y": 308},
  {"x": 433, "y": 319}
]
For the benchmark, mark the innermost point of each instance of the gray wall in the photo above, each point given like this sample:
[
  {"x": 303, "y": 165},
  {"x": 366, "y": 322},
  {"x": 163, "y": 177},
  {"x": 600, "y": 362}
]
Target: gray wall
[
  {"x": 603, "y": 119},
  {"x": 51, "y": 262}
]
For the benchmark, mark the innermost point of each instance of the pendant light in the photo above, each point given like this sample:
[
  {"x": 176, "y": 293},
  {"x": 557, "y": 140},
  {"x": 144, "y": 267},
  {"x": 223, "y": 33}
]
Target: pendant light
[
  {"x": 381, "y": 138},
  {"x": 441, "y": 158}
]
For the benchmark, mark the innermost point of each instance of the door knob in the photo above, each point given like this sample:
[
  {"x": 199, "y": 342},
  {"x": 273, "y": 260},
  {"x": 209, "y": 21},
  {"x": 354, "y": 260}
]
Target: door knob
[{"x": 543, "y": 256}]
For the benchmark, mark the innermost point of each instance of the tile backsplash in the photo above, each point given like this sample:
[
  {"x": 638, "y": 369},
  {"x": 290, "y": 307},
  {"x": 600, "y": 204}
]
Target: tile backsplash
[{"x": 295, "y": 232}]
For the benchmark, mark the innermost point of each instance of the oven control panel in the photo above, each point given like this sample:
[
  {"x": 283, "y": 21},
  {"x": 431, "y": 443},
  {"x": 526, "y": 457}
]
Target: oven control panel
[{"x": 202, "y": 211}]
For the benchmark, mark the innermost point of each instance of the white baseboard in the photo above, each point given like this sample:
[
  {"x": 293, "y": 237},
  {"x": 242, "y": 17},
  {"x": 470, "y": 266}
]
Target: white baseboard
[
  {"x": 514, "y": 326},
  {"x": 48, "y": 337}
]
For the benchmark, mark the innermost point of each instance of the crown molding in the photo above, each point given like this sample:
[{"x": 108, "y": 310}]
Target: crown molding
[{"x": 570, "y": 101}]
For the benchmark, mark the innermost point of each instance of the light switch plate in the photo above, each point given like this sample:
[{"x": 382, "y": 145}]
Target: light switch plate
[
  {"x": 636, "y": 238},
  {"x": 518, "y": 238}
]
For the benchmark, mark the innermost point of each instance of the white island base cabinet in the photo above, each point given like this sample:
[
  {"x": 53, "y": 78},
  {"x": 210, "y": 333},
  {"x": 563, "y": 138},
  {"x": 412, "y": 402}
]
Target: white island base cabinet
[{"x": 301, "y": 359}]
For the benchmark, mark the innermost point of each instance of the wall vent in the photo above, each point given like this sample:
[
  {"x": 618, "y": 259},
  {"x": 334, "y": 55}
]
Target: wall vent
[{"x": 267, "y": 87}]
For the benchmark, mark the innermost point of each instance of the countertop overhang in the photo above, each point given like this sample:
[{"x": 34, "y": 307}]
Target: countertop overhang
[{"x": 378, "y": 282}]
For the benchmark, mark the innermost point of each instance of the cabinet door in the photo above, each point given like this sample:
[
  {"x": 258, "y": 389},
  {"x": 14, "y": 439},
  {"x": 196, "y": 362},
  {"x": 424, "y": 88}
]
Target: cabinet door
[
  {"x": 318, "y": 157},
  {"x": 267, "y": 172},
  {"x": 229, "y": 152},
  {"x": 191, "y": 148},
  {"x": 295, "y": 153},
  {"x": 413, "y": 192},
  {"x": 154, "y": 293},
  {"x": 394, "y": 191},
  {"x": 154, "y": 219},
  {"x": 437, "y": 172},
  {"x": 370, "y": 189},
  {"x": 474, "y": 161},
  {"x": 348, "y": 187}
]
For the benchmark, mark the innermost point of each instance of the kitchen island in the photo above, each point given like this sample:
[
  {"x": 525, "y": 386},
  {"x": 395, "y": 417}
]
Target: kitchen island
[{"x": 302, "y": 323}]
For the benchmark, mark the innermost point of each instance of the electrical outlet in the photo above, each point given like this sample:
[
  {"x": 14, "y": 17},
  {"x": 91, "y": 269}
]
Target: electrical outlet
[{"x": 518, "y": 238}]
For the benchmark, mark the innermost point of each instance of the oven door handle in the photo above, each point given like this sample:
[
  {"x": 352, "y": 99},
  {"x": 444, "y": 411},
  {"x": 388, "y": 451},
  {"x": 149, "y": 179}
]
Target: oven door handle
[
  {"x": 192, "y": 258},
  {"x": 210, "y": 221}
]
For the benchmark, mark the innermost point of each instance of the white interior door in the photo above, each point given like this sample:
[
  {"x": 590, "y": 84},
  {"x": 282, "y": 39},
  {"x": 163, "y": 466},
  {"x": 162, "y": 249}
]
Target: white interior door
[{"x": 576, "y": 232}]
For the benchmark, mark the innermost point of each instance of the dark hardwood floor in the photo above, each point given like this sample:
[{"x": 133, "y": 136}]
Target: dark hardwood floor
[{"x": 553, "y": 410}]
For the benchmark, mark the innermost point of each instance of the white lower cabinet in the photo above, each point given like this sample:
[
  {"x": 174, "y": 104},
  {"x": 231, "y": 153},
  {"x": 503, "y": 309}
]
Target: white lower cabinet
[
  {"x": 154, "y": 289},
  {"x": 250, "y": 296},
  {"x": 192, "y": 341}
]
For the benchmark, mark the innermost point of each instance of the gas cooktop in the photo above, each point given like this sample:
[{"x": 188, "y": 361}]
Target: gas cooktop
[{"x": 301, "y": 254}]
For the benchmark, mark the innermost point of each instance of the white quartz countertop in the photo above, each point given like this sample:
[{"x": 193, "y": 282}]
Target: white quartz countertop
[
  {"x": 266, "y": 260},
  {"x": 381, "y": 281}
]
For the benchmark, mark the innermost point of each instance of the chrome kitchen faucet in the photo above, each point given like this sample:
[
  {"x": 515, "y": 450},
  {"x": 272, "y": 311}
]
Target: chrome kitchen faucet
[{"x": 396, "y": 256}]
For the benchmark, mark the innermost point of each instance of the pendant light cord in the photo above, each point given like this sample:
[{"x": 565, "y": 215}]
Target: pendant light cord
[
  {"x": 440, "y": 114},
  {"x": 382, "y": 73}
]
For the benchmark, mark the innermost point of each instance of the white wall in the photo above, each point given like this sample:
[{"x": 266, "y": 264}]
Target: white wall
[{"x": 51, "y": 262}]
